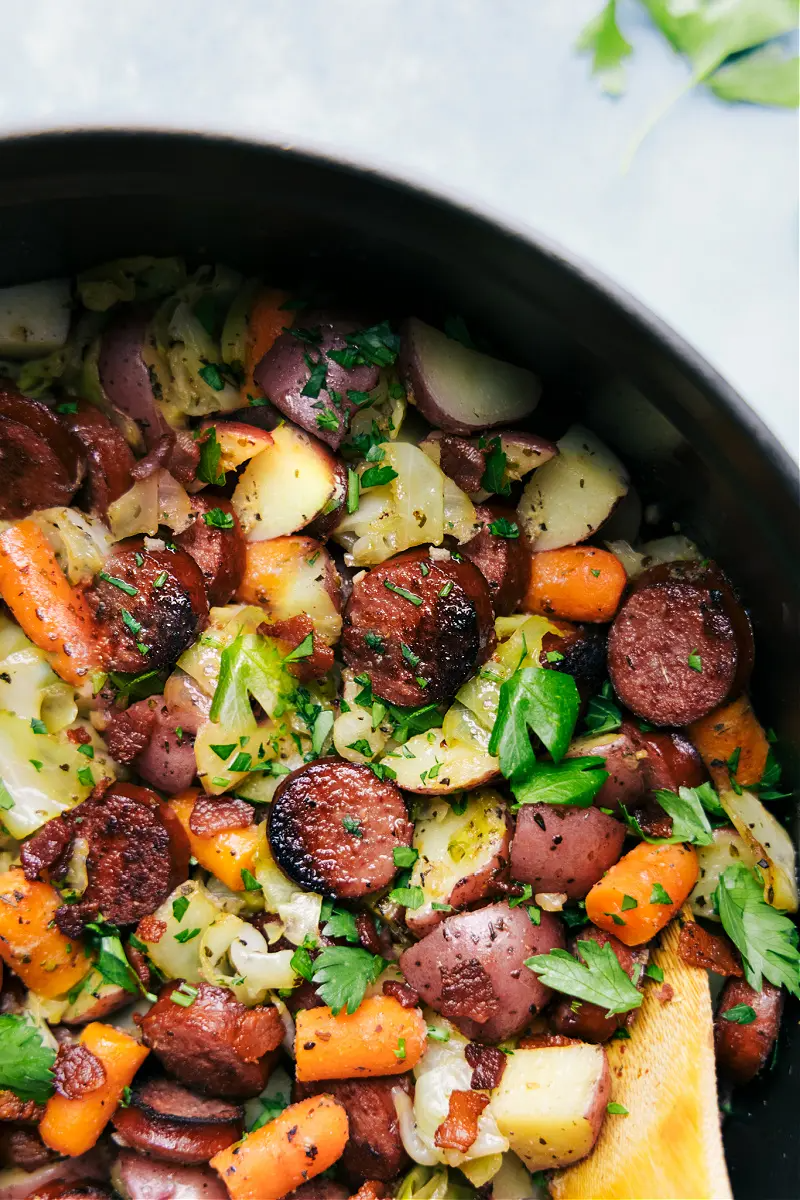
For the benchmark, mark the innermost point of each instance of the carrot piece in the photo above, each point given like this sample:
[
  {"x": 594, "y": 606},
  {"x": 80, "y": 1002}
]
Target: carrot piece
[
  {"x": 576, "y": 583},
  {"x": 379, "y": 1038},
  {"x": 266, "y": 324},
  {"x": 30, "y": 941},
  {"x": 647, "y": 874},
  {"x": 54, "y": 616},
  {"x": 226, "y": 853},
  {"x": 73, "y": 1126},
  {"x": 724, "y": 731},
  {"x": 301, "y": 1142}
]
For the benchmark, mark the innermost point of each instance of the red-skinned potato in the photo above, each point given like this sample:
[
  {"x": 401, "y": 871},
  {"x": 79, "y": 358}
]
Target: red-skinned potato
[
  {"x": 238, "y": 442},
  {"x": 625, "y": 783},
  {"x": 666, "y": 756},
  {"x": 464, "y": 460},
  {"x": 573, "y": 494},
  {"x": 286, "y": 369},
  {"x": 287, "y": 486},
  {"x": 504, "y": 561},
  {"x": 471, "y": 969},
  {"x": 459, "y": 390},
  {"x": 125, "y": 376},
  {"x": 463, "y": 857},
  {"x": 290, "y": 576},
  {"x": 559, "y": 848},
  {"x": 551, "y": 1103},
  {"x": 138, "y": 1178}
]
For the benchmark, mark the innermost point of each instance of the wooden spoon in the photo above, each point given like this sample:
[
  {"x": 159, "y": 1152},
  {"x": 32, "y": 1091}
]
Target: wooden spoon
[{"x": 669, "y": 1147}]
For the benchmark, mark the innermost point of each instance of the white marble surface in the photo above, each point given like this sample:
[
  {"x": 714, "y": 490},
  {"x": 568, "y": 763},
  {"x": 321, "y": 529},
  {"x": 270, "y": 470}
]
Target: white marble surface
[{"x": 484, "y": 99}]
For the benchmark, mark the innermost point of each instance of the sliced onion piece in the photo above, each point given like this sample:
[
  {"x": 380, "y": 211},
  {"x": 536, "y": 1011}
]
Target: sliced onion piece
[{"x": 770, "y": 842}]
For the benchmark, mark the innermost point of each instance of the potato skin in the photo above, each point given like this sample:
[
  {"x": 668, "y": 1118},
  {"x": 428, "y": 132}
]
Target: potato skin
[
  {"x": 590, "y": 1022},
  {"x": 564, "y": 849},
  {"x": 471, "y": 969},
  {"x": 625, "y": 783},
  {"x": 742, "y": 1050},
  {"x": 504, "y": 562}
]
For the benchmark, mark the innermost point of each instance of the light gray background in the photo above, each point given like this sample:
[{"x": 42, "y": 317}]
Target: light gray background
[{"x": 485, "y": 99}]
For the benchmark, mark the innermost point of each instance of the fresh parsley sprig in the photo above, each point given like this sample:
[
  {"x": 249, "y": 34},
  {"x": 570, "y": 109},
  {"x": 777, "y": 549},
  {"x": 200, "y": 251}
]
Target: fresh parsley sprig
[
  {"x": 766, "y": 938},
  {"x": 599, "y": 979},
  {"x": 342, "y": 975},
  {"x": 26, "y": 1062}
]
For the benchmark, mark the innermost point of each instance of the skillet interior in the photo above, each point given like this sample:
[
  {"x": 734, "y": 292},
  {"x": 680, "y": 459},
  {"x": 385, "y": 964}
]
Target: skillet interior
[{"x": 68, "y": 201}]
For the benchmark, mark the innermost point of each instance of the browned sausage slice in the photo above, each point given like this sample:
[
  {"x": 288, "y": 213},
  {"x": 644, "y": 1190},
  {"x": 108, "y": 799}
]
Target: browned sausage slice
[
  {"x": 333, "y": 827},
  {"x": 419, "y": 626},
  {"x": 471, "y": 969},
  {"x": 137, "y": 854},
  {"x": 742, "y": 1050},
  {"x": 679, "y": 644},
  {"x": 167, "y": 1121},
  {"x": 374, "y": 1148},
  {"x": 216, "y": 1044},
  {"x": 41, "y": 461},
  {"x": 504, "y": 562},
  {"x": 576, "y": 650},
  {"x": 147, "y": 598},
  {"x": 216, "y": 543},
  {"x": 559, "y": 848},
  {"x": 108, "y": 457},
  {"x": 589, "y": 1022}
]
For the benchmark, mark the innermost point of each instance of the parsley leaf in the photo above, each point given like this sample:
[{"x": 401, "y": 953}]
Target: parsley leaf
[
  {"x": 217, "y": 518},
  {"x": 689, "y": 821},
  {"x": 327, "y": 419},
  {"x": 575, "y": 781},
  {"x": 502, "y": 527},
  {"x": 659, "y": 895},
  {"x": 609, "y": 49},
  {"x": 376, "y": 476},
  {"x": 765, "y": 937},
  {"x": 26, "y": 1062},
  {"x": 210, "y": 454},
  {"x": 211, "y": 374},
  {"x": 600, "y": 981},
  {"x": 338, "y": 922},
  {"x": 317, "y": 378},
  {"x": 342, "y": 975},
  {"x": 546, "y": 702},
  {"x": 602, "y": 714},
  {"x": 765, "y": 77},
  {"x": 494, "y": 469},
  {"x": 271, "y": 1107},
  {"x": 376, "y": 346},
  {"x": 111, "y": 960},
  {"x": 353, "y": 826},
  {"x": 740, "y": 1014},
  {"x": 304, "y": 650},
  {"x": 404, "y": 856},
  {"x": 408, "y": 897}
]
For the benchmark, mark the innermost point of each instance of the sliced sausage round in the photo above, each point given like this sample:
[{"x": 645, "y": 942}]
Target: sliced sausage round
[
  {"x": 374, "y": 1147},
  {"x": 147, "y": 598},
  {"x": 286, "y": 369},
  {"x": 471, "y": 969},
  {"x": 679, "y": 644},
  {"x": 138, "y": 1178},
  {"x": 590, "y": 1022},
  {"x": 217, "y": 1044},
  {"x": 419, "y": 626},
  {"x": 743, "y": 1049},
  {"x": 560, "y": 848},
  {"x": 108, "y": 457},
  {"x": 625, "y": 783},
  {"x": 41, "y": 461},
  {"x": 503, "y": 560},
  {"x": 168, "y": 1122},
  {"x": 137, "y": 854},
  {"x": 216, "y": 543},
  {"x": 333, "y": 827}
]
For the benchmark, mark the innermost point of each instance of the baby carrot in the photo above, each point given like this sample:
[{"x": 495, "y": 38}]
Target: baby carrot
[
  {"x": 732, "y": 743},
  {"x": 642, "y": 892},
  {"x": 226, "y": 853},
  {"x": 379, "y": 1038},
  {"x": 266, "y": 323},
  {"x": 73, "y": 1126},
  {"x": 301, "y": 1142},
  {"x": 30, "y": 942},
  {"x": 54, "y": 616},
  {"x": 576, "y": 583}
]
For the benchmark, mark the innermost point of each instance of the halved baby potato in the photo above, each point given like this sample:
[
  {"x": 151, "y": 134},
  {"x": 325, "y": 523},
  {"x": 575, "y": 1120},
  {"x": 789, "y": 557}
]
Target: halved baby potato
[
  {"x": 551, "y": 1103},
  {"x": 459, "y": 390},
  {"x": 289, "y": 576},
  {"x": 464, "y": 460},
  {"x": 434, "y": 764},
  {"x": 462, "y": 854},
  {"x": 238, "y": 442},
  {"x": 568, "y": 499},
  {"x": 286, "y": 486}
]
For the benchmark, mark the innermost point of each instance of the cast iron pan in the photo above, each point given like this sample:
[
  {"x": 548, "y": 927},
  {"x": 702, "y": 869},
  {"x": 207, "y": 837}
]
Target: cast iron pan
[{"x": 70, "y": 200}]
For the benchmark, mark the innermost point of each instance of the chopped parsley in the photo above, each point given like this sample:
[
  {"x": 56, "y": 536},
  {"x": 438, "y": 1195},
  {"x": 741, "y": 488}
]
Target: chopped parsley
[
  {"x": 208, "y": 469},
  {"x": 376, "y": 476},
  {"x": 217, "y": 518},
  {"x": 304, "y": 650},
  {"x": 317, "y": 378},
  {"x": 598, "y": 979},
  {"x": 353, "y": 826},
  {"x": 494, "y": 469},
  {"x": 408, "y": 897},
  {"x": 695, "y": 661},
  {"x": 501, "y": 527},
  {"x": 179, "y": 908},
  {"x": 127, "y": 588},
  {"x": 403, "y": 592},
  {"x": 740, "y": 1014},
  {"x": 659, "y": 895}
]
